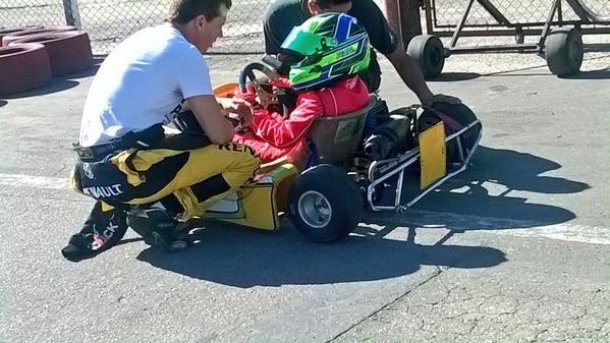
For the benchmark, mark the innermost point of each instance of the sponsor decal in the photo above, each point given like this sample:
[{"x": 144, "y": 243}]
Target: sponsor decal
[
  {"x": 102, "y": 192},
  {"x": 97, "y": 243},
  {"x": 87, "y": 170},
  {"x": 236, "y": 147},
  {"x": 107, "y": 233},
  {"x": 110, "y": 229},
  {"x": 171, "y": 115}
]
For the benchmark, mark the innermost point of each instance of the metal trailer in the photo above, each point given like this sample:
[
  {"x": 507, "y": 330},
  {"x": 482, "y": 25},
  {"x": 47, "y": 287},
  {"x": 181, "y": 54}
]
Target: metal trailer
[{"x": 559, "y": 41}]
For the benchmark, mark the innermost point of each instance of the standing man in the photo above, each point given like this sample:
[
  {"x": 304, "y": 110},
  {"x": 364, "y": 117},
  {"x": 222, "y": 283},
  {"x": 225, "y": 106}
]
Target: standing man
[
  {"x": 283, "y": 15},
  {"x": 125, "y": 156}
]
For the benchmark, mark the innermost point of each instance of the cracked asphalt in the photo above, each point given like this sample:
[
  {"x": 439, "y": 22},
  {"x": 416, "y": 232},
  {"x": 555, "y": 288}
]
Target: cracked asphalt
[
  {"x": 516, "y": 249},
  {"x": 522, "y": 300}
]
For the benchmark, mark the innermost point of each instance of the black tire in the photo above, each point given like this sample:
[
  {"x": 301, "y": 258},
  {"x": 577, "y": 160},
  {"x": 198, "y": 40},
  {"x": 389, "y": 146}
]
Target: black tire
[
  {"x": 564, "y": 51},
  {"x": 324, "y": 204},
  {"x": 429, "y": 53},
  {"x": 461, "y": 114}
]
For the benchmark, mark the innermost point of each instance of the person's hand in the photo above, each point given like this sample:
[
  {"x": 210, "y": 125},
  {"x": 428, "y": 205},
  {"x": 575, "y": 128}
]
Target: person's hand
[
  {"x": 442, "y": 98},
  {"x": 239, "y": 107},
  {"x": 234, "y": 118}
]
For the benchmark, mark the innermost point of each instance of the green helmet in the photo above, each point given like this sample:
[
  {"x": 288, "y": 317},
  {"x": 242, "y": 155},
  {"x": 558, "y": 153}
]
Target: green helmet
[{"x": 326, "y": 47}]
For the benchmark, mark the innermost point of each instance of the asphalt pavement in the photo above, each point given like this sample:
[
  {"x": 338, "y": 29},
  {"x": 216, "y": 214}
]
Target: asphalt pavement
[{"x": 516, "y": 249}]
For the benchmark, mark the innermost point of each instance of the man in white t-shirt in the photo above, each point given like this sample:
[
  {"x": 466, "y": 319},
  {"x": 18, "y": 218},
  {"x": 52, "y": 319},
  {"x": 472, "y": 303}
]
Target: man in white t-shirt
[{"x": 154, "y": 78}]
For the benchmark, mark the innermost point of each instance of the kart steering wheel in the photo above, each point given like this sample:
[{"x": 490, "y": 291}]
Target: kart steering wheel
[{"x": 246, "y": 75}]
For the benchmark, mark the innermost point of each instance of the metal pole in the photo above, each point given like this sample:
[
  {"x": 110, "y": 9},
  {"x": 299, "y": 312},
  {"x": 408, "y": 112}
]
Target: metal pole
[
  {"x": 460, "y": 26},
  {"x": 71, "y": 13},
  {"x": 429, "y": 22},
  {"x": 410, "y": 19},
  {"x": 547, "y": 25},
  {"x": 392, "y": 15}
]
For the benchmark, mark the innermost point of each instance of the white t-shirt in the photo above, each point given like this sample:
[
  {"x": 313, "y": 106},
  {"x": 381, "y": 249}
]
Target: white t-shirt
[{"x": 144, "y": 81}]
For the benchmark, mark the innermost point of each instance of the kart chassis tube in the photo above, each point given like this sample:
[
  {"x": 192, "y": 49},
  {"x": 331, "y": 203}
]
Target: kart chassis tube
[{"x": 406, "y": 160}]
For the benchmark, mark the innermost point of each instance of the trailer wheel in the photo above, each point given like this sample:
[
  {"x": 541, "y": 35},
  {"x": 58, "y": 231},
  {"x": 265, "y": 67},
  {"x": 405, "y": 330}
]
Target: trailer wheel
[
  {"x": 564, "y": 51},
  {"x": 429, "y": 53},
  {"x": 23, "y": 67},
  {"x": 324, "y": 204}
]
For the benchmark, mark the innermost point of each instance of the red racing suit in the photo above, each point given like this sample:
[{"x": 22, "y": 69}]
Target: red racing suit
[{"x": 273, "y": 136}]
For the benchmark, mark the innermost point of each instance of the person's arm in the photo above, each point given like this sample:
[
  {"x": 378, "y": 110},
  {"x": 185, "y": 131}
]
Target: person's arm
[
  {"x": 270, "y": 32},
  {"x": 282, "y": 132},
  {"x": 411, "y": 75},
  {"x": 211, "y": 118},
  {"x": 271, "y": 39},
  {"x": 386, "y": 42},
  {"x": 193, "y": 82},
  {"x": 279, "y": 19}
]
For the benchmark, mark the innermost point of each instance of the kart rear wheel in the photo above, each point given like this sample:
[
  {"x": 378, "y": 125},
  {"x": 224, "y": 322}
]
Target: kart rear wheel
[
  {"x": 324, "y": 204},
  {"x": 564, "y": 51},
  {"x": 429, "y": 53}
]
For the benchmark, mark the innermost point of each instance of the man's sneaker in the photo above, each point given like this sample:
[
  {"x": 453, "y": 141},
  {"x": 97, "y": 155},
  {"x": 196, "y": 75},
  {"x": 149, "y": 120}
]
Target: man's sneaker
[
  {"x": 101, "y": 231},
  {"x": 157, "y": 227}
]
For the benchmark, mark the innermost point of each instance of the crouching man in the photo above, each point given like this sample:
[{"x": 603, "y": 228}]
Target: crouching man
[{"x": 126, "y": 158}]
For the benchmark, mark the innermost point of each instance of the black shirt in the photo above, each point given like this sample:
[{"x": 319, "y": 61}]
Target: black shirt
[{"x": 283, "y": 15}]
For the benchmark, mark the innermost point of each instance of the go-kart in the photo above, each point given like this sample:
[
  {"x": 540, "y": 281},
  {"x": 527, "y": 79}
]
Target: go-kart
[{"x": 345, "y": 173}]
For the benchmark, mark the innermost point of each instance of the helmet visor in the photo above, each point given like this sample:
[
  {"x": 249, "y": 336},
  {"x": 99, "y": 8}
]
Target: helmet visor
[{"x": 304, "y": 43}]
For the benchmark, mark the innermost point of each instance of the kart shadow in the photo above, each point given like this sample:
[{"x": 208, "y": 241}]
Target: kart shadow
[
  {"x": 245, "y": 258},
  {"x": 502, "y": 172}
]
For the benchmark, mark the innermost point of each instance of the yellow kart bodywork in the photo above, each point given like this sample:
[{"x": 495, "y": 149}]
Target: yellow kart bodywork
[
  {"x": 432, "y": 155},
  {"x": 260, "y": 203}
]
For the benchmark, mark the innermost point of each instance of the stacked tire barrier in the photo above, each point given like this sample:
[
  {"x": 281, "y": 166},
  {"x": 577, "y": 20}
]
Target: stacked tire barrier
[
  {"x": 23, "y": 67},
  {"x": 7, "y": 39},
  {"x": 31, "y": 56},
  {"x": 8, "y": 32}
]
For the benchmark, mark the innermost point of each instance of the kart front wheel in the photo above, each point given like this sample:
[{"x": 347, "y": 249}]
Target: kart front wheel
[{"x": 324, "y": 204}]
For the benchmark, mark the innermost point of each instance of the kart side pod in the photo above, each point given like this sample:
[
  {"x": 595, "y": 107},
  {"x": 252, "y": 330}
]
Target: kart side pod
[{"x": 260, "y": 203}]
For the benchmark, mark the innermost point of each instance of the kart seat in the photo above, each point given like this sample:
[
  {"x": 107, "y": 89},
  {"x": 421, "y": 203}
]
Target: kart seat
[{"x": 336, "y": 138}]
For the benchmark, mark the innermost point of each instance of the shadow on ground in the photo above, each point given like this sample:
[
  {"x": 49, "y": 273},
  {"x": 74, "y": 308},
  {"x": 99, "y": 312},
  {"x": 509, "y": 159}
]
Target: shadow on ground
[
  {"x": 503, "y": 171},
  {"x": 599, "y": 74},
  {"x": 245, "y": 258},
  {"x": 242, "y": 257},
  {"x": 583, "y": 75}
]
